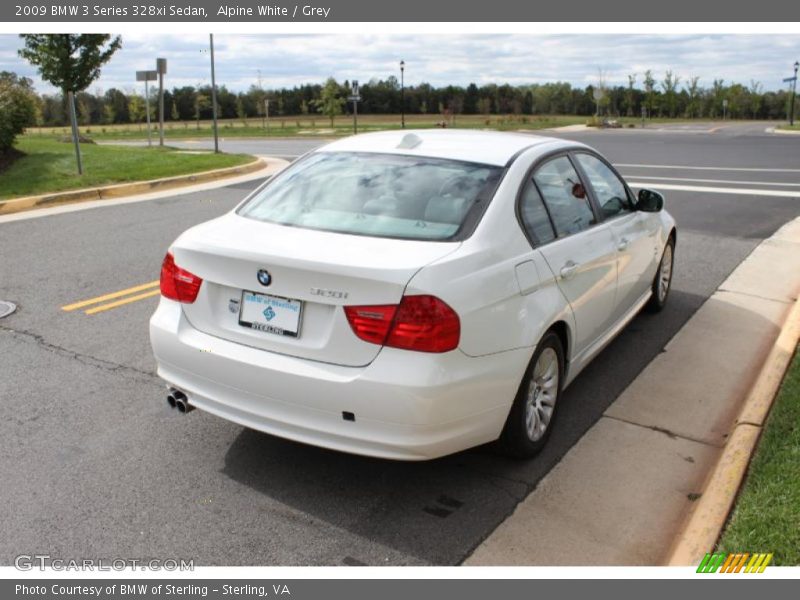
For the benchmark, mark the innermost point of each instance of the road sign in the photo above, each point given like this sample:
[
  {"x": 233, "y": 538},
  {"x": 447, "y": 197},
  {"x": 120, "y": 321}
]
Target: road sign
[
  {"x": 146, "y": 75},
  {"x": 161, "y": 66},
  {"x": 790, "y": 79}
]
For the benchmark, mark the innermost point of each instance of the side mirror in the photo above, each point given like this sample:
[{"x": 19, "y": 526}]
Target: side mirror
[{"x": 649, "y": 201}]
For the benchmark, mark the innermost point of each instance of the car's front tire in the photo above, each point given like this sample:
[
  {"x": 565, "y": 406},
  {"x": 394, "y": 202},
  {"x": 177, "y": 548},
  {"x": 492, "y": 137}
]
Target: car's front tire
[
  {"x": 662, "y": 282},
  {"x": 533, "y": 413}
]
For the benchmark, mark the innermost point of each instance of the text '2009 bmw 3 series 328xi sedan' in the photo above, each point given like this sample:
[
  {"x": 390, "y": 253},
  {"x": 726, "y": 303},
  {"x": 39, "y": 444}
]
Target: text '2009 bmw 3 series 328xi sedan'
[{"x": 411, "y": 294}]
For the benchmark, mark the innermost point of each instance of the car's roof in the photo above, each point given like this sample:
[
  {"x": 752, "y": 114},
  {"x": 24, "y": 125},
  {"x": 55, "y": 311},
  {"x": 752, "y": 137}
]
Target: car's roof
[{"x": 486, "y": 147}]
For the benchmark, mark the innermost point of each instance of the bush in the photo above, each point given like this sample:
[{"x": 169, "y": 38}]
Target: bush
[{"x": 17, "y": 110}]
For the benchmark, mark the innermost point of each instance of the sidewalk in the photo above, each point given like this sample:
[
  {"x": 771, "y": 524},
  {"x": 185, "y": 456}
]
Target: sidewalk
[{"x": 623, "y": 493}]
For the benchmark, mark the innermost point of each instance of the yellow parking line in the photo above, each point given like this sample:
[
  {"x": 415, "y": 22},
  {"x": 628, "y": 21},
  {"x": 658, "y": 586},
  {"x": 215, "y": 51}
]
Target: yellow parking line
[
  {"x": 110, "y": 305},
  {"x": 98, "y": 299}
]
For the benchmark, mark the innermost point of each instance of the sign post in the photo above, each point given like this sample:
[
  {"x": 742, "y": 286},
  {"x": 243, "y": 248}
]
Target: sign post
[
  {"x": 213, "y": 92},
  {"x": 354, "y": 98},
  {"x": 147, "y": 76},
  {"x": 793, "y": 81},
  {"x": 161, "y": 69}
]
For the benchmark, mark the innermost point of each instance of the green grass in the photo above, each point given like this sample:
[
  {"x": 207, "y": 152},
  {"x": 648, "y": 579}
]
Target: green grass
[
  {"x": 315, "y": 126},
  {"x": 767, "y": 513},
  {"x": 48, "y": 165},
  {"x": 795, "y": 127}
]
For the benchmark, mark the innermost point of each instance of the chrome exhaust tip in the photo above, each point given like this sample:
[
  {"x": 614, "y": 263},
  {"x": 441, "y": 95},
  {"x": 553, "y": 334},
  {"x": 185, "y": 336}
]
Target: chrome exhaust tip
[{"x": 181, "y": 401}]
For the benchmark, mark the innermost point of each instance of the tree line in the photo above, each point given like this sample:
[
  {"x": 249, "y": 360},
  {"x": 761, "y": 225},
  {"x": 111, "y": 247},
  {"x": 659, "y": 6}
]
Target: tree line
[{"x": 669, "y": 96}]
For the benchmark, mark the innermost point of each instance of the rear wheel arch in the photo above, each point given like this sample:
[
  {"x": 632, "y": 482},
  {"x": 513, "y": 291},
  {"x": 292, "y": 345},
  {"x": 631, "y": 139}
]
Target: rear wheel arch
[{"x": 561, "y": 329}]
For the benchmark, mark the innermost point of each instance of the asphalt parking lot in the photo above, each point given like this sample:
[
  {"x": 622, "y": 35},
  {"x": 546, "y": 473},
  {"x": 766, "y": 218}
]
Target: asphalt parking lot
[{"x": 94, "y": 463}]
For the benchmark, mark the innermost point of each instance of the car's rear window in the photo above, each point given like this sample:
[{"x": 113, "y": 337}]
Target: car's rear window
[{"x": 380, "y": 195}]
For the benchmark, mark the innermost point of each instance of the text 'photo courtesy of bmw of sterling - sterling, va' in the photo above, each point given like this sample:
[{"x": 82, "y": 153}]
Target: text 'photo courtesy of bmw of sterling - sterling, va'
[{"x": 411, "y": 294}]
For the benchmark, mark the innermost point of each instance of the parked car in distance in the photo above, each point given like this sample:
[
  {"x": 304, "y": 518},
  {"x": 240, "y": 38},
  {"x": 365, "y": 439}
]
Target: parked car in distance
[{"x": 411, "y": 294}]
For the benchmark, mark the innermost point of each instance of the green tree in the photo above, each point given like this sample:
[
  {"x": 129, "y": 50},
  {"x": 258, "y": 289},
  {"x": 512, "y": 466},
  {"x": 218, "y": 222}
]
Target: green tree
[
  {"x": 201, "y": 103},
  {"x": 69, "y": 61},
  {"x": 136, "y": 109},
  {"x": 756, "y": 97},
  {"x": 18, "y": 107},
  {"x": 118, "y": 103},
  {"x": 650, "y": 91},
  {"x": 330, "y": 103},
  {"x": 694, "y": 94},
  {"x": 630, "y": 95},
  {"x": 670, "y": 85}
]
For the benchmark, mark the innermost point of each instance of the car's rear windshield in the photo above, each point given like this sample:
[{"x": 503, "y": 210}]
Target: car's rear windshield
[{"x": 380, "y": 195}]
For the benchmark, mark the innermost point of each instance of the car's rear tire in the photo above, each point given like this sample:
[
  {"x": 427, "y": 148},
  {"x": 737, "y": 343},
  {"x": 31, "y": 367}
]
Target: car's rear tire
[
  {"x": 662, "y": 282},
  {"x": 533, "y": 413}
]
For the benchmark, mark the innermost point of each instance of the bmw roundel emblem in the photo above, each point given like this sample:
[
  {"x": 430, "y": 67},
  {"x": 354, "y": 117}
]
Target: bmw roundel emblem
[{"x": 264, "y": 278}]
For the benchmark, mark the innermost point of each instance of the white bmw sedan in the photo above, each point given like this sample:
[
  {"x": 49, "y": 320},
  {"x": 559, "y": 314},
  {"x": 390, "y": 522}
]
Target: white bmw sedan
[{"x": 408, "y": 295}]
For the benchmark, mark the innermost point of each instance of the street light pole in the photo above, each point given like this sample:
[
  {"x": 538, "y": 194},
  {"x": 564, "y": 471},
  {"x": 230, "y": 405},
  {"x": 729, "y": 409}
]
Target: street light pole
[
  {"x": 213, "y": 94},
  {"x": 402, "y": 94},
  {"x": 161, "y": 67},
  {"x": 794, "y": 90}
]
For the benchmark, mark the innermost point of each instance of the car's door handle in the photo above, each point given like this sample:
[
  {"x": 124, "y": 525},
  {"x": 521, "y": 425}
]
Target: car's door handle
[
  {"x": 623, "y": 244},
  {"x": 568, "y": 270}
]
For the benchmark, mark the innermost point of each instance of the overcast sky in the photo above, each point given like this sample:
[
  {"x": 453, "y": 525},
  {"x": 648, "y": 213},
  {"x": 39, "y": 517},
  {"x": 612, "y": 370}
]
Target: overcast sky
[{"x": 288, "y": 60}]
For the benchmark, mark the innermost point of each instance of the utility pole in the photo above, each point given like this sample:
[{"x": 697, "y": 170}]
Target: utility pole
[
  {"x": 161, "y": 68},
  {"x": 213, "y": 94},
  {"x": 402, "y": 94},
  {"x": 794, "y": 91}
]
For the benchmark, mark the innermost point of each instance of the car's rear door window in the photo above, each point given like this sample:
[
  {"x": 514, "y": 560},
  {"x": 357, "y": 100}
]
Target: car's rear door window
[
  {"x": 381, "y": 195},
  {"x": 534, "y": 215},
  {"x": 565, "y": 196}
]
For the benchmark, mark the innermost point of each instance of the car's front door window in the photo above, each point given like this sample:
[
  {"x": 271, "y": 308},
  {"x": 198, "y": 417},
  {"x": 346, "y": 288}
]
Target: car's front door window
[{"x": 611, "y": 194}]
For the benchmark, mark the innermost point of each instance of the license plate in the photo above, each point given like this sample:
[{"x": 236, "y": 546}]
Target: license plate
[{"x": 272, "y": 314}]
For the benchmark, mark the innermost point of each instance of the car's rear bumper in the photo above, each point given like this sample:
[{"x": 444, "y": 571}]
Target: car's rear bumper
[{"x": 407, "y": 405}]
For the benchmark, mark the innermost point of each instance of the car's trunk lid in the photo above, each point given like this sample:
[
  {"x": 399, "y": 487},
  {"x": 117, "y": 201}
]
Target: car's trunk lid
[{"x": 313, "y": 275}]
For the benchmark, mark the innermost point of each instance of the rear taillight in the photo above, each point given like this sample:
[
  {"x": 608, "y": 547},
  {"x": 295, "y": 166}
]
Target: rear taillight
[
  {"x": 422, "y": 323},
  {"x": 178, "y": 284}
]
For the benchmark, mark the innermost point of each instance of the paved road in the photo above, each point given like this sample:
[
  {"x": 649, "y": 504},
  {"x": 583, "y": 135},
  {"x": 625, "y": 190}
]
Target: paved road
[{"x": 94, "y": 464}]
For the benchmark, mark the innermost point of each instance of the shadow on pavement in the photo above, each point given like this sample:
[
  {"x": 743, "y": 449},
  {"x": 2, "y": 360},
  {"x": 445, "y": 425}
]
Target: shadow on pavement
[{"x": 438, "y": 511}]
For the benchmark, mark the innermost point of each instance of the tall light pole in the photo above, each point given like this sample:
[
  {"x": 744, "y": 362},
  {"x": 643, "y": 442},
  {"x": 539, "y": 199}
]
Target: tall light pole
[
  {"x": 161, "y": 68},
  {"x": 213, "y": 93},
  {"x": 402, "y": 94},
  {"x": 794, "y": 90}
]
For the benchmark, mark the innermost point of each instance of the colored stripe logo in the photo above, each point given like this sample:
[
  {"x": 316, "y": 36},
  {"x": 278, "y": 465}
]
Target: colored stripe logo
[{"x": 737, "y": 562}]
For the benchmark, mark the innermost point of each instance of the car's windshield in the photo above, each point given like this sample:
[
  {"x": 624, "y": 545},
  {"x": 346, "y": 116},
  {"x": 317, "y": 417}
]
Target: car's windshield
[{"x": 381, "y": 195}]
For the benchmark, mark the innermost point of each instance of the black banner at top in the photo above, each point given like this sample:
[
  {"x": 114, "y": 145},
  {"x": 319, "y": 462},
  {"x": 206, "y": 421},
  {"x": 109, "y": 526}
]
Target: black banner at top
[{"x": 215, "y": 11}]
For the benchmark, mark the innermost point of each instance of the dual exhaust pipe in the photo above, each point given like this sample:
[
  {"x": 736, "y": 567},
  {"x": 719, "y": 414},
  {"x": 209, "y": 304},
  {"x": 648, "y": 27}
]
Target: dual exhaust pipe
[{"x": 177, "y": 399}]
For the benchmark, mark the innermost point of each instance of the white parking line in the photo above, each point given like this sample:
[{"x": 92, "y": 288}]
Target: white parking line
[
  {"x": 694, "y": 168},
  {"x": 768, "y": 183},
  {"x": 714, "y": 190}
]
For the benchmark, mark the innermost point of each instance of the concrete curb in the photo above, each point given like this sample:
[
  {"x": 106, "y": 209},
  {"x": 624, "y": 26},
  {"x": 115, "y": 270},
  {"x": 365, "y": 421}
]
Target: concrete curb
[
  {"x": 125, "y": 189},
  {"x": 783, "y": 131},
  {"x": 704, "y": 525}
]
